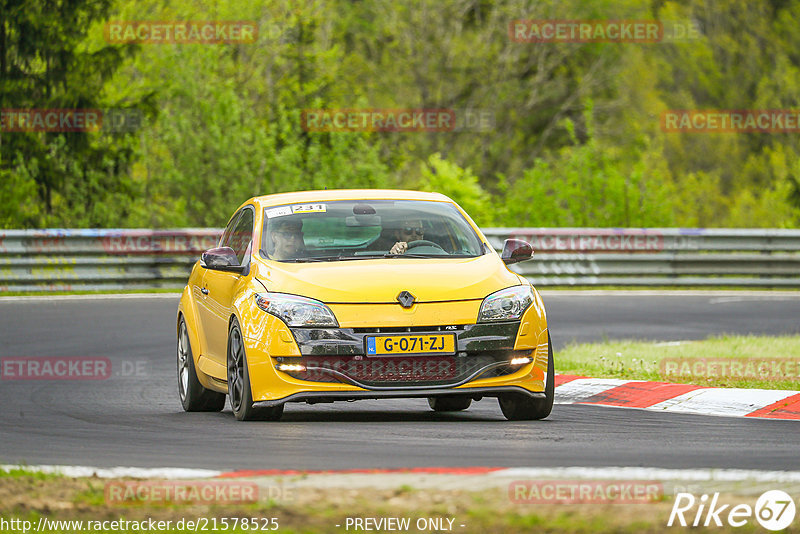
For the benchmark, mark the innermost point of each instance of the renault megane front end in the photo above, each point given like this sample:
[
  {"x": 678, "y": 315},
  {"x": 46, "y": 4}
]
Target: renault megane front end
[{"x": 322, "y": 296}]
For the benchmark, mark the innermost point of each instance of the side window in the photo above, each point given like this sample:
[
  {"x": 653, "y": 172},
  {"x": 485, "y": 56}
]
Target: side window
[
  {"x": 242, "y": 234},
  {"x": 225, "y": 240}
]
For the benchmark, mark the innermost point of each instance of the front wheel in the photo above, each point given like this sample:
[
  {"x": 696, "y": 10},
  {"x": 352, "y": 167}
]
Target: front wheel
[
  {"x": 520, "y": 407},
  {"x": 194, "y": 397},
  {"x": 239, "y": 391}
]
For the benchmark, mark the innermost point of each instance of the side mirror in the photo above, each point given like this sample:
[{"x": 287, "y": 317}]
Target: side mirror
[
  {"x": 516, "y": 250},
  {"x": 221, "y": 259}
]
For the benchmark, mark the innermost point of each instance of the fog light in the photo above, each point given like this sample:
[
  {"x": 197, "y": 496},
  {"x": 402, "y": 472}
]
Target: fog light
[
  {"x": 520, "y": 361},
  {"x": 290, "y": 367}
]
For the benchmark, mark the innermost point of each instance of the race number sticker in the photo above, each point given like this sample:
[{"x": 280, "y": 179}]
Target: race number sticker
[
  {"x": 279, "y": 212},
  {"x": 309, "y": 208}
]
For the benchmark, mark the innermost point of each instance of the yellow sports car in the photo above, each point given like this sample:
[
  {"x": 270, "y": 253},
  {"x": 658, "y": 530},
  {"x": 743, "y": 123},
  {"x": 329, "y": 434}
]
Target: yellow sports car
[{"x": 322, "y": 296}]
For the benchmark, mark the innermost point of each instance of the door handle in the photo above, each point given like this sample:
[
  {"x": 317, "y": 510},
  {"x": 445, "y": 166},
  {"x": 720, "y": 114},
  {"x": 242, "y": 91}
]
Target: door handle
[{"x": 204, "y": 291}]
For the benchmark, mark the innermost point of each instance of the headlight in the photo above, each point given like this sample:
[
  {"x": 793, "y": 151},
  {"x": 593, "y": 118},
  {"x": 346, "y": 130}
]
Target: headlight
[
  {"x": 296, "y": 311},
  {"x": 506, "y": 304}
]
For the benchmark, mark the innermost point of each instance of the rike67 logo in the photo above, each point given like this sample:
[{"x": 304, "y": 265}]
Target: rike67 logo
[{"x": 774, "y": 510}]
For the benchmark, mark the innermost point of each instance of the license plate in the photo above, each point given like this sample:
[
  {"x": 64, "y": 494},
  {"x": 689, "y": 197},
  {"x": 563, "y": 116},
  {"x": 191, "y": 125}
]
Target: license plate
[{"x": 409, "y": 344}]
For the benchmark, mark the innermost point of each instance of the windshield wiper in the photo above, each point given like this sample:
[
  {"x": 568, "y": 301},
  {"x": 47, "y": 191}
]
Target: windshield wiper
[
  {"x": 428, "y": 256},
  {"x": 331, "y": 258},
  {"x": 320, "y": 259},
  {"x": 313, "y": 259},
  {"x": 298, "y": 260},
  {"x": 413, "y": 255}
]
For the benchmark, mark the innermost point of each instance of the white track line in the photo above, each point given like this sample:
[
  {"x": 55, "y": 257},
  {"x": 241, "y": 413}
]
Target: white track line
[
  {"x": 565, "y": 473},
  {"x": 665, "y": 293},
  {"x": 649, "y": 473},
  {"x": 116, "y": 472}
]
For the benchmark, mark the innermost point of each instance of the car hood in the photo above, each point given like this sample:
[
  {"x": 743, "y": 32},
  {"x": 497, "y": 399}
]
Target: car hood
[{"x": 381, "y": 280}]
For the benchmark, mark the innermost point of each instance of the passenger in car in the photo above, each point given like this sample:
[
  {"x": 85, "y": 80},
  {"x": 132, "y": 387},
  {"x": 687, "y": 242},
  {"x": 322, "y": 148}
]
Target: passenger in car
[{"x": 287, "y": 239}]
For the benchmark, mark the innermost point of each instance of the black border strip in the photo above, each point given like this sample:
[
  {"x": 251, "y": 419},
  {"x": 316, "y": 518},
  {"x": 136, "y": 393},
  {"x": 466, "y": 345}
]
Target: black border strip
[{"x": 325, "y": 396}]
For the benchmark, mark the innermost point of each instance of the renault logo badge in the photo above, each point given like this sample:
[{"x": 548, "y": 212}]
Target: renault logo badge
[{"x": 406, "y": 299}]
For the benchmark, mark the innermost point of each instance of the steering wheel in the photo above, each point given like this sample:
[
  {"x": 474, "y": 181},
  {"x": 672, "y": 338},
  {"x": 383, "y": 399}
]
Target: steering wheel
[{"x": 423, "y": 243}]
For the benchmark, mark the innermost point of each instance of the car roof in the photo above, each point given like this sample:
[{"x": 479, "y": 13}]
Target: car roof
[{"x": 346, "y": 194}]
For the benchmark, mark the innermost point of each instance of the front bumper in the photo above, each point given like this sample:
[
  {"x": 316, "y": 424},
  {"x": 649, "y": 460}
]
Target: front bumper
[
  {"x": 476, "y": 393},
  {"x": 339, "y": 355},
  {"x": 333, "y": 364}
]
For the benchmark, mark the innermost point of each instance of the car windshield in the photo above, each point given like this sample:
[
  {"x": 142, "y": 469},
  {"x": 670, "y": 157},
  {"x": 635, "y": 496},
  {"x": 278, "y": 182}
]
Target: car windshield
[{"x": 363, "y": 229}]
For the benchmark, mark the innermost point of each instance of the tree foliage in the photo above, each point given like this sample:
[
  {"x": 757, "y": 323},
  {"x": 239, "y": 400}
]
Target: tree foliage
[
  {"x": 574, "y": 140},
  {"x": 61, "y": 178}
]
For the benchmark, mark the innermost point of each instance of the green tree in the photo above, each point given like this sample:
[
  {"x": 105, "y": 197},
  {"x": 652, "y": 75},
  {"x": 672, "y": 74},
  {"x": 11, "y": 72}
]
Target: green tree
[
  {"x": 447, "y": 178},
  {"x": 589, "y": 184},
  {"x": 45, "y": 64}
]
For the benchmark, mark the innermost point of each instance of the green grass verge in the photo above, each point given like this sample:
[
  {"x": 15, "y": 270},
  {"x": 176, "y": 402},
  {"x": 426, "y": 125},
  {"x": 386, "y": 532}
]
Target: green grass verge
[
  {"x": 484, "y": 508},
  {"x": 723, "y": 361},
  {"x": 490, "y": 511},
  {"x": 21, "y": 472}
]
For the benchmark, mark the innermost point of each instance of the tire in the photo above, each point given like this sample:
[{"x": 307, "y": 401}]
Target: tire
[
  {"x": 520, "y": 407},
  {"x": 239, "y": 391},
  {"x": 194, "y": 397},
  {"x": 454, "y": 403}
]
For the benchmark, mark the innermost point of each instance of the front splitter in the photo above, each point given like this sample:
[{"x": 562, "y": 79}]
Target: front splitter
[{"x": 331, "y": 396}]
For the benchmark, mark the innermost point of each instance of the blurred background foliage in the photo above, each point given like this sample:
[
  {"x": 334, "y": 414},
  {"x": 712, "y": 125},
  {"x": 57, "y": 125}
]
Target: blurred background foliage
[{"x": 576, "y": 138}]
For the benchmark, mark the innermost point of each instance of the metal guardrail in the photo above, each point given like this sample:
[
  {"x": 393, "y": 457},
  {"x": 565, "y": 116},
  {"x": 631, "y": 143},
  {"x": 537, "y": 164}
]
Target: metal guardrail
[
  {"x": 71, "y": 260},
  {"x": 658, "y": 256},
  {"x": 66, "y": 260}
]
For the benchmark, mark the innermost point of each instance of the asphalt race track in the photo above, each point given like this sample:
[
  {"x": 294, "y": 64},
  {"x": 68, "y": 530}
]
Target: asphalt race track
[{"x": 134, "y": 418}]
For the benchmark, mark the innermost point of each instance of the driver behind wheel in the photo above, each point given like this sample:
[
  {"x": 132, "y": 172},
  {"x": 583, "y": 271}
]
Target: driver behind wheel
[
  {"x": 410, "y": 230},
  {"x": 287, "y": 239}
]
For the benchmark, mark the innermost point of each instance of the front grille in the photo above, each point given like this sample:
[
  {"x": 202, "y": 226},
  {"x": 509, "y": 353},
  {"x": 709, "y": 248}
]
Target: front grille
[
  {"x": 470, "y": 339},
  {"x": 404, "y": 371},
  {"x": 404, "y": 329}
]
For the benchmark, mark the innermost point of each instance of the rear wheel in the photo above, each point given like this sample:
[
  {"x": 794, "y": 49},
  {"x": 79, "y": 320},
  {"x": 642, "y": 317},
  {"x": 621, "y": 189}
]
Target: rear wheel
[
  {"x": 239, "y": 391},
  {"x": 194, "y": 397},
  {"x": 454, "y": 403},
  {"x": 520, "y": 407}
]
